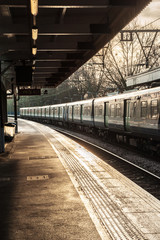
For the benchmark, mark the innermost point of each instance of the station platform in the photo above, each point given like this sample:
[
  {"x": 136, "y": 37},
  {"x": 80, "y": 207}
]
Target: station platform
[{"x": 52, "y": 188}]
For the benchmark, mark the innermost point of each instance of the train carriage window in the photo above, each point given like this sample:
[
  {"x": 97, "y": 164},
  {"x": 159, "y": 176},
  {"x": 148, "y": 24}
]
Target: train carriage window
[
  {"x": 144, "y": 109},
  {"x": 53, "y": 112},
  {"x": 76, "y": 110},
  {"x": 87, "y": 111},
  {"x": 154, "y": 109},
  {"x": 118, "y": 110},
  {"x": 43, "y": 112},
  {"x": 56, "y": 112},
  {"x": 112, "y": 109},
  {"x": 39, "y": 112},
  {"x": 60, "y": 111},
  {"x": 101, "y": 110},
  {"x": 96, "y": 111},
  {"x": 47, "y": 111},
  {"x": 134, "y": 109},
  {"x": 70, "y": 112}
]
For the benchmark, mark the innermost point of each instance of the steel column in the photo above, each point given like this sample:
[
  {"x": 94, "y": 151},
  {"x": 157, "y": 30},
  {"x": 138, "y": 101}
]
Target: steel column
[
  {"x": 2, "y": 142},
  {"x": 15, "y": 110}
]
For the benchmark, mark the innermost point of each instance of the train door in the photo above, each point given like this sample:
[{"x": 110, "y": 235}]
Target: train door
[
  {"x": 106, "y": 114},
  {"x": 81, "y": 114},
  {"x": 72, "y": 113},
  {"x": 127, "y": 114},
  {"x": 64, "y": 113}
]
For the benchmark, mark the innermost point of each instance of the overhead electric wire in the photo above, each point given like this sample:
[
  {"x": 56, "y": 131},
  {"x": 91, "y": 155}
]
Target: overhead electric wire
[
  {"x": 140, "y": 28},
  {"x": 151, "y": 22}
]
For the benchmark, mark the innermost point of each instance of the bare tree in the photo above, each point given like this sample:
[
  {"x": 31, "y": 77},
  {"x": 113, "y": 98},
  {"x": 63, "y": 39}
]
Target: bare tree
[{"x": 125, "y": 58}]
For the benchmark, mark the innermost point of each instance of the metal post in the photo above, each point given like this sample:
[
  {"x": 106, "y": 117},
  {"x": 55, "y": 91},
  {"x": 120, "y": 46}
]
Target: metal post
[
  {"x": 2, "y": 142},
  {"x": 15, "y": 110}
]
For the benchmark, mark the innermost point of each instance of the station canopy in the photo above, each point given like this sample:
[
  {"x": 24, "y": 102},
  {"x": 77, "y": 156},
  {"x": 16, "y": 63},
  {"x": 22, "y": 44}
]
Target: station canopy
[{"x": 53, "y": 38}]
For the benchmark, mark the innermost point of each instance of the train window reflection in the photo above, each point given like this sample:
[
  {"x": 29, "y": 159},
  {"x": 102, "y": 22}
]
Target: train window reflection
[
  {"x": 76, "y": 110},
  {"x": 118, "y": 110},
  {"x": 134, "y": 109},
  {"x": 87, "y": 111},
  {"x": 98, "y": 111},
  {"x": 112, "y": 110},
  {"x": 154, "y": 109},
  {"x": 143, "y": 109}
]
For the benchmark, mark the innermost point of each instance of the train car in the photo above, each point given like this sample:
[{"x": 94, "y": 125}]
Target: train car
[
  {"x": 108, "y": 113},
  {"x": 70, "y": 112},
  {"x": 57, "y": 113},
  {"x": 87, "y": 112},
  {"x": 132, "y": 112},
  {"x": 21, "y": 112},
  {"x": 24, "y": 112},
  {"x": 80, "y": 112},
  {"x": 39, "y": 114},
  {"x": 142, "y": 114},
  {"x": 128, "y": 116}
]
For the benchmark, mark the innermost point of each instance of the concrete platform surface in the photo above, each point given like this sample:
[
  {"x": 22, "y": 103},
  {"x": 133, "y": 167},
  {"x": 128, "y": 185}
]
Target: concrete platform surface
[
  {"x": 53, "y": 188},
  {"x": 37, "y": 198}
]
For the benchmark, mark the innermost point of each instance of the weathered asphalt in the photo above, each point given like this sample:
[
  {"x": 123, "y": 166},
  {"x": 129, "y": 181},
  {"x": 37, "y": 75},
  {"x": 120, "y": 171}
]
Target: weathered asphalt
[{"x": 37, "y": 198}]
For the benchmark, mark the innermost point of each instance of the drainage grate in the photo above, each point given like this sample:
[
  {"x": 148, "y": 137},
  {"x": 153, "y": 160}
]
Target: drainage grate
[{"x": 37, "y": 178}]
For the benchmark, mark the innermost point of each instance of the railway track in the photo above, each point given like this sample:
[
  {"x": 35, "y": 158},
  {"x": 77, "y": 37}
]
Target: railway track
[{"x": 145, "y": 178}]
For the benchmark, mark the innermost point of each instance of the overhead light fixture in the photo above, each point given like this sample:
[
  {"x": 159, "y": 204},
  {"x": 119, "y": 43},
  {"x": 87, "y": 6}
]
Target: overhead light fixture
[
  {"x": 33, "y": 67},
  {"x": 34, "y": 50},
  {"x": 34, "y": 33},
  {"x": 34, "y": 7}
]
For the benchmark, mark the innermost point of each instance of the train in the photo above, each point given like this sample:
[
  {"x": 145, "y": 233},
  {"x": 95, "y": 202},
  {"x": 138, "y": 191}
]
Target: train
[{"x": 131, "y": 117}]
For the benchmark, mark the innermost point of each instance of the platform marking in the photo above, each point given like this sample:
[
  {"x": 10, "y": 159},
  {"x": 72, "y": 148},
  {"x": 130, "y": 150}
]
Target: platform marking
[
  {"x": 5, "y": 179},
  {"x": 37, "y": 178}
]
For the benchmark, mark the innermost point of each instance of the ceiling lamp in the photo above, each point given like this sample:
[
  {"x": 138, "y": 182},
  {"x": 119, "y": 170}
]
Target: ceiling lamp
[
  {"x": 34, "y": 33},
  {"x": 34, "y": 50},
  {"x": 34, "y": 7}
]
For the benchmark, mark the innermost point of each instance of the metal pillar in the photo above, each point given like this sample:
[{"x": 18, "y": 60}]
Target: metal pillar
[
  {"x": 2, "y": 142},
  {"x": 15, "y": 110}
]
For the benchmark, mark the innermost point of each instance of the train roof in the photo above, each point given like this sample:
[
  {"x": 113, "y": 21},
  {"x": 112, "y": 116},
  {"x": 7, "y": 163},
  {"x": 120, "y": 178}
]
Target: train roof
[
  {"x": 80, "y": 102},
  {"x": 125, "y": 95},
  {"x": 128, "y": 95},
  {"x": 143, "y": 78}
]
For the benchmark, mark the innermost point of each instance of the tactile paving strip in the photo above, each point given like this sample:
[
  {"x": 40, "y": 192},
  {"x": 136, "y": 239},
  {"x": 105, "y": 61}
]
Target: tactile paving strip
[{"x": 109, "y": 213}]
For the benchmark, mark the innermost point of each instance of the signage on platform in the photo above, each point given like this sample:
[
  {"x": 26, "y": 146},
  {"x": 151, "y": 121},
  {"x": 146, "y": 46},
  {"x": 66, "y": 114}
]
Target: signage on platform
[{"x": 25, "y": 92}]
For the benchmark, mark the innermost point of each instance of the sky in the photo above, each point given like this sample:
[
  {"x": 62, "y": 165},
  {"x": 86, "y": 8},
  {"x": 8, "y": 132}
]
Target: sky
[{"x": 150, "y": 13}]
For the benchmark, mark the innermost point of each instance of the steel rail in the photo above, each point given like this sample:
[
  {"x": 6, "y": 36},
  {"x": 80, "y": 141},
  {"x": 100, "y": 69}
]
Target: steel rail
[{"x": 104, "y": 150}]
